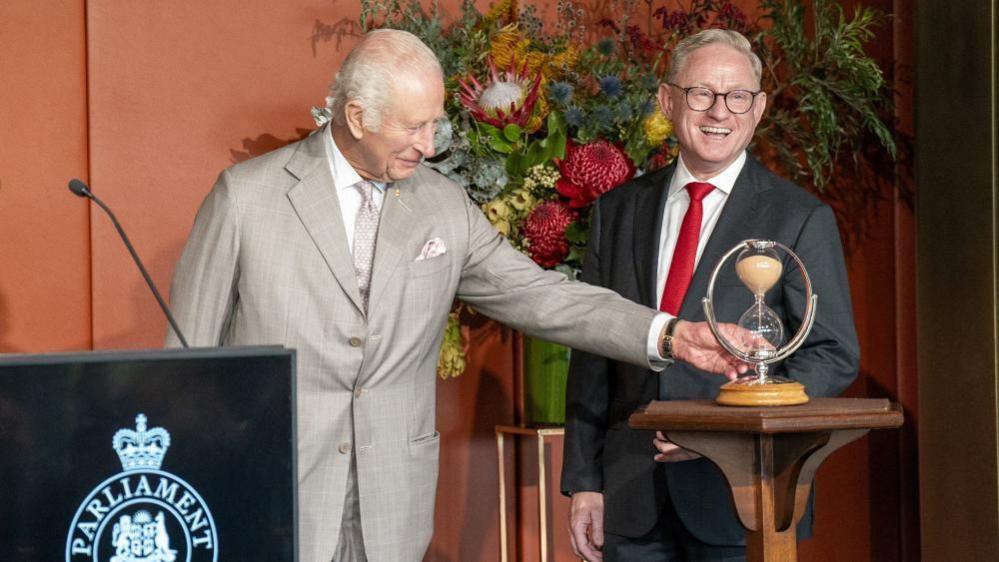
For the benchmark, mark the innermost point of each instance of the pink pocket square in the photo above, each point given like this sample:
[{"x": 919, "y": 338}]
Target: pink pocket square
[{"x": 433, "y": 248}]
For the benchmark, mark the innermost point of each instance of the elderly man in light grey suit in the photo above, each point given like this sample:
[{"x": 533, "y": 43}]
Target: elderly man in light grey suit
[{"x": 345, "y": 248}]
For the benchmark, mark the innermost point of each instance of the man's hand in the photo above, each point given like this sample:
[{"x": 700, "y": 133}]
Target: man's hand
[
  {"x": 694, "y": 343},
  {"x": 586, "y": 525},
  {"x": 668, "y": 452}
]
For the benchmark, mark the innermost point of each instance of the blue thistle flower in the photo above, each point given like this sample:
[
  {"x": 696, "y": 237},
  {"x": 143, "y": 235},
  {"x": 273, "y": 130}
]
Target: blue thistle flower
[
  {"x": 610, "y": 86},
  {"x": 560, "y": 92},
  {"x": 605, "y": 47},
  {"x": 603, "y": 117},
  {"x": 574, "y": 117}
]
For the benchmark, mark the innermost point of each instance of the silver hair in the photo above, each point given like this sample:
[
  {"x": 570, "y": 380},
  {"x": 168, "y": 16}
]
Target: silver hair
[
  {"x": 688, "y": 45},
  {"x": 372, "y": 67}
]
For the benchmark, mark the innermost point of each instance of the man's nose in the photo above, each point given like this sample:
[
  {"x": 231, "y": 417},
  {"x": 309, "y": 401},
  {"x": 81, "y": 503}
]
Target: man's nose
[
  {"x": 719, "y": 110},
  {"x": 425, "y": 142}
]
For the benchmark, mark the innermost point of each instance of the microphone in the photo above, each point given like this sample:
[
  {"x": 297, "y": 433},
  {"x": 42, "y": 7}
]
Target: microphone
[{"x": 80, "y": 190}]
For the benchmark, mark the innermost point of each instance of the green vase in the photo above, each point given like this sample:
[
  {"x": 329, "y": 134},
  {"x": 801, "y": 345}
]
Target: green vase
[{"x": 546, "y": 368}]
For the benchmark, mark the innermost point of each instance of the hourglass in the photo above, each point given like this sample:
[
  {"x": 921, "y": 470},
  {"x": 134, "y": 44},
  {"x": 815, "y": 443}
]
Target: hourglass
[{"x": 759, "y": 267}]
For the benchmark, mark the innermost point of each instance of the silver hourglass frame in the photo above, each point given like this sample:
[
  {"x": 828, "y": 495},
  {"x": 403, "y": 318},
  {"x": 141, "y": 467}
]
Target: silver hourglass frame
[{"x": 762, "y": 359}]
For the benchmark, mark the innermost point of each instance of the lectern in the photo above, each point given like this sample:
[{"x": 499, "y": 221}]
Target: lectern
[
  {"x": 185, "y": 455},
  {"x": 769, "y": 455}
]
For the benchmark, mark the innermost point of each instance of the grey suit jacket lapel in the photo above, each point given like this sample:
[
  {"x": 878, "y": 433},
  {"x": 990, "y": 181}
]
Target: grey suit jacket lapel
[
  {"x": 315, "y": 201},
  {"x": 741, "y": 209},
  {"x": 399, "y": 217}
]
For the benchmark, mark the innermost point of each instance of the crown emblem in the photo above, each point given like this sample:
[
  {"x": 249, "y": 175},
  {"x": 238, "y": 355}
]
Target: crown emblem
[{"x": 141, "y": 448}]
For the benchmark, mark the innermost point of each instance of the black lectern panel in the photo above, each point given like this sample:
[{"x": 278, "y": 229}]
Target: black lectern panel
[{"x": 167, "y": 455}]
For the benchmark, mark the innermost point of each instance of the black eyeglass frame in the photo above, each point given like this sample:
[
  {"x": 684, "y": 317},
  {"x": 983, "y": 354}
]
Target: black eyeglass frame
[{"x": 724, "y": 96}]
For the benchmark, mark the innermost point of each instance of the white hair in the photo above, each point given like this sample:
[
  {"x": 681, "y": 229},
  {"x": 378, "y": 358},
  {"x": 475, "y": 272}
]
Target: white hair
[
  {"x": 372, "y": 67},
  {"x": 734, "y": 39}
]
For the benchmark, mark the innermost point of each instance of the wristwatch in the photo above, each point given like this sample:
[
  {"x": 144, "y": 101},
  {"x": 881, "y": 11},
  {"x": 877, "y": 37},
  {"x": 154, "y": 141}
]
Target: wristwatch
[{"x": 666, "y": 339}]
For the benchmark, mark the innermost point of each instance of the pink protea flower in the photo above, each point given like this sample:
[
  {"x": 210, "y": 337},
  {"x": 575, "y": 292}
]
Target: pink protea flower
[
  {"x": 508, "y": 99},
  {"x": 544, "y": 230},
  {"x": 589, "y": 170}
]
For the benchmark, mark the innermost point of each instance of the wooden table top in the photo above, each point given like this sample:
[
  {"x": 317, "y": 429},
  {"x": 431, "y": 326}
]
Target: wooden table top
[{"x": 820, "y": 414}]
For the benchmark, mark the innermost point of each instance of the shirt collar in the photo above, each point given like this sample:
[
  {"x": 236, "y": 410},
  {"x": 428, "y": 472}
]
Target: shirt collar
[
  {"x": 723, "y": 181},
  {"x": 344, "y": 175}
]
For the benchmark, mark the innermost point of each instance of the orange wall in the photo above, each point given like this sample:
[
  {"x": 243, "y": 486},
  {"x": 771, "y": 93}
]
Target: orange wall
[
  {"x": 148, "y": 101},
  {"x": 44, "y": 242},
  {"x": 174, "y": 88}
]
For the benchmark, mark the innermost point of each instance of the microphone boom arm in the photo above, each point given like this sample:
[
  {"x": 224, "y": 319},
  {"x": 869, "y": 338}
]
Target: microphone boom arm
[{"x": 80, "y": 189}]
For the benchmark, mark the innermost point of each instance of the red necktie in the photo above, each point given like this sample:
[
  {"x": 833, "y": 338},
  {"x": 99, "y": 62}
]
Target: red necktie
[{"x": 681, "y": 269}]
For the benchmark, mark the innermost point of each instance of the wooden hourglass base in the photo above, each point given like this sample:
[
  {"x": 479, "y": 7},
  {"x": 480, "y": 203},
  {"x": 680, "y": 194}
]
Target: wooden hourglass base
[{"x": 739, "y": 393}]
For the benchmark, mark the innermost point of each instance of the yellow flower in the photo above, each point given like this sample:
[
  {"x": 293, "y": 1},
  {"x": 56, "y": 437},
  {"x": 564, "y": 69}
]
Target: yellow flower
[
  {"x": 503, "y": 227},
  {"x": 565, "y": 60},
  {"x": 451, "y": 362},
  {"x": 541, "y": 109},
  {"x": 657, "y": 128},
  {"x": 504, "y": 10},
  {"x": 496, "y": 211},
  {"x": 521, "y": 199},
  {"x": 511, "y": 46}
]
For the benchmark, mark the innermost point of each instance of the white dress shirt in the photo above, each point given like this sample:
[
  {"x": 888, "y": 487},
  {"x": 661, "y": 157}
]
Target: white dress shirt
[
  {"x": 344, "y": 180},
  {"x": 677, "y": 202}
]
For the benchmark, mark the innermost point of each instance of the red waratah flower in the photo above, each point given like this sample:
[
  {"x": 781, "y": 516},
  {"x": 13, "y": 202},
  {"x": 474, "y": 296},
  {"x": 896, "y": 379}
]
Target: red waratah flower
[
  {"x": 590, "y": 170},
  {"x": 544, "y": 230}
]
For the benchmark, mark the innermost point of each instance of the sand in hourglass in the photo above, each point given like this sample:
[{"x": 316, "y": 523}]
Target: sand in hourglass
[{"x": 758, "y": 273}]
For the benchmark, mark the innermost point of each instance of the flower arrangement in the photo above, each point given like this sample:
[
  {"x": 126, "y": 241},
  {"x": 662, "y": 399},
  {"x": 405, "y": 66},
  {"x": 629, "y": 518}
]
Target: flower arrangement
[{"x": 543, "y": 119}]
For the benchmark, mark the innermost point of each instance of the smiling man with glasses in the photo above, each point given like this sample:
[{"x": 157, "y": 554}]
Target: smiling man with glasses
[{"x": 655, "y": 240}]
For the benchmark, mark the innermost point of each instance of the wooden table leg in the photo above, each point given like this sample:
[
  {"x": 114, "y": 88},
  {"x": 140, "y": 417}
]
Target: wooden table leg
[{"x": 771, "y": 477}]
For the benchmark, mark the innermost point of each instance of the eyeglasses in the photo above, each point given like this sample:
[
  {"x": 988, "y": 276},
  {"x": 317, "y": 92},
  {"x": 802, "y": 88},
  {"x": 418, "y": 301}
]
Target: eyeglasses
[{"x": 703, "y": 99}]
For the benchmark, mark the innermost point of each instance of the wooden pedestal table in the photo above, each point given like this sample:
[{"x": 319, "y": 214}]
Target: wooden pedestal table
[{"x": 768, "y": 455}]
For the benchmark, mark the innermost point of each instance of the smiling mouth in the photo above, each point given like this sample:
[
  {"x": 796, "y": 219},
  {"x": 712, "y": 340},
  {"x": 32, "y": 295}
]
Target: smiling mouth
[{"x": 717, "y": 132}]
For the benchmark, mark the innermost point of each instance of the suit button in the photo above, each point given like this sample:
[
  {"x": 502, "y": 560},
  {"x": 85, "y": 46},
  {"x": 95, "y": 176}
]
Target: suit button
[
  {"x": 344, "y": 447},
  {"x": 358, "y": 391},
  {"x": 355, "y": 342}
]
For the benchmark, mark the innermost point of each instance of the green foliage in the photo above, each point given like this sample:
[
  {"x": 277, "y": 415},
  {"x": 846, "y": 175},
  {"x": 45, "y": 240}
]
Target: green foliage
[{"x": 826, "y": 94}]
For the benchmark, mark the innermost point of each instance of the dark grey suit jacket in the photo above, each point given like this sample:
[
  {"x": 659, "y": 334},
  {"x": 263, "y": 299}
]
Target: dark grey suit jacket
[{"x": 601, "y": 452}]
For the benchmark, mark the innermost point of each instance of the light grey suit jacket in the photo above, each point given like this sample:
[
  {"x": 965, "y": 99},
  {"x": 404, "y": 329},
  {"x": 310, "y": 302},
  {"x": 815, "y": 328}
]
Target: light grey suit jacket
[{"x": 267, "y": 263}]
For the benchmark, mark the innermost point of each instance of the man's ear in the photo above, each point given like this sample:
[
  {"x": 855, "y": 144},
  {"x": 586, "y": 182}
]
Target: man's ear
[
  {"x": 665, "y": 101},
  {"x": 760, "y": 106},
  {"x": 354, "y": 114}
]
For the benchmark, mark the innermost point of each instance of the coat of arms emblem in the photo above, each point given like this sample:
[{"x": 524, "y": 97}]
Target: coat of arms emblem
[{"x": 143, "y": 514}]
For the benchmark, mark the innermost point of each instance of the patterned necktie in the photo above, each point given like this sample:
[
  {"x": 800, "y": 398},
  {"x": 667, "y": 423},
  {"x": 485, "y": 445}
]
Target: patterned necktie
[
  {"x": 365, "y": 234},
  {"x": 681, "y": 269}
]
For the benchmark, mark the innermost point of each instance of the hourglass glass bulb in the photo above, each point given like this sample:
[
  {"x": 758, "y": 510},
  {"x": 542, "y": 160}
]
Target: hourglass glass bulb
[
  {"x": 766, "y": 328},
  {"x": 758, "y": 268}
]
